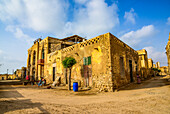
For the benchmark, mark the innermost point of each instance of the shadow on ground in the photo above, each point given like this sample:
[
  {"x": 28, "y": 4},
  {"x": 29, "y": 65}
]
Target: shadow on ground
[
  {"x": 17, "y": 103},
  {"x": 151, "y": 83},
  {"x": 13, "y": 105}
]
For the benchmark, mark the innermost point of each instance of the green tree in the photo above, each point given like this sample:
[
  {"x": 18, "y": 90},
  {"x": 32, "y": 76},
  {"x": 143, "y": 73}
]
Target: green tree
[
  {"x": 68, "y": 62},
  {"x": 159, "y": 70}
]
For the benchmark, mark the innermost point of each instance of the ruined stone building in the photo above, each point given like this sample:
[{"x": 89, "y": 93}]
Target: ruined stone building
[
  {"x": 21, "y": 73},
  {"x": 37, "y": 65},
  {"x": 7, "y": 76},
  {"x": 150, "y": 63},
  {"x": 168, "y": 54},
  {"x": 143, "y": 63},
  {"x": 164, "y": 70},
  {"x": 104, "y": 62},
  {"x": 3, "y": 76},
  {"x": 154, "y": 65},
  {"x": 158, "y": 65},
  {"x": 151, "y": 72}
]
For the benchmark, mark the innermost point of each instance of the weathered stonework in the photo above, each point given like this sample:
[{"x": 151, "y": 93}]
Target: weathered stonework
[
  {"x": 21, "y": 73},
  {"x": 143, "y": 64},
  {"x": 7, "y": 76},
  {"x": 164, "y": 70},
  {"x": 103, "y": 62},
  {"x": 168, "y": 54},
  {"x": 37, "y": 61}
]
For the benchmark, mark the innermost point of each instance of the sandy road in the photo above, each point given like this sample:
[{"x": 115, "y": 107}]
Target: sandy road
[{"x": 152, "y": 96}]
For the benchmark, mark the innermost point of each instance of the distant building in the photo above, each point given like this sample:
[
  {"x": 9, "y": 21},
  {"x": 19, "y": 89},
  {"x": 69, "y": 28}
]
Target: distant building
[
  {"x": 7, "y": 76},
  {"x": 154, "y": 65},
  {"x": 143, "y": 63},
  {"x": 158, "y": 65},
  {"x": 150, "y": 63},
  {"x": 168, "y": 53},
  {"x": 21, "y": 73},
  {"x": 3, "y": 76},
  {"x": 164, "y": 70}
]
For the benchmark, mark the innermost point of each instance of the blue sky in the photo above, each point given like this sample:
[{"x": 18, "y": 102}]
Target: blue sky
[{"x": 139, "y": 23}]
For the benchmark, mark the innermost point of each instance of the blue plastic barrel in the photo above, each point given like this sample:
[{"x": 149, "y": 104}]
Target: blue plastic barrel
[{"x": 75, "y": 86}]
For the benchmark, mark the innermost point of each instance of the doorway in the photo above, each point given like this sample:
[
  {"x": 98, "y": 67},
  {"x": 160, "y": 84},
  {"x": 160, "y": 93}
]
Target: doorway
[
  {"x": 130, "y": 67},
  {"x": 53, "y": 73}
]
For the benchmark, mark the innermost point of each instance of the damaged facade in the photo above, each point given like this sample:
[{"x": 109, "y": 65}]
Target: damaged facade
[
  {"x": 143, "y": 64},
  {"x": 103, "y": 62},
  {"x": 20, "y": 73},
  {"x": 168, "y": 54},
  {"x": 164, "y": 70},
  {"x": 37, "y": 61}
]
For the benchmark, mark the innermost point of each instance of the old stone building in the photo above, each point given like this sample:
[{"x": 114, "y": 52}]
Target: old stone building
[
  {"x": 150, "y": 63},
  {"x": 7, "y": 76},
  {"x": 158, "y": 65},
  {"x": 143, "y": 63},
  {"x": 21, "y": 73},
  {"x": 164, "y": 70},
  {"x": 154, "y": 65},
  {"x": 104, "y": 62},
  {"x": 3, "y": 76},
  {"x": 168, "y": 54},
  {"x": 37, "y": 65},
  {"x": 151, "y": 72}
]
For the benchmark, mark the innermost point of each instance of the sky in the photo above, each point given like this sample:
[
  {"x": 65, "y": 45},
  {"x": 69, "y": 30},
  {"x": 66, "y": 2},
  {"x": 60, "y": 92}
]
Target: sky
[{"x": 142, "y": 24}]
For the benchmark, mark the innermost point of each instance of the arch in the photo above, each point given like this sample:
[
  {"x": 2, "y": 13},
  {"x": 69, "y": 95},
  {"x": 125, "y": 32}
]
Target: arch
[
  {"x": 34, "y": 56},
  {"x": 43, "y": 55},
  {"x": 29, "y": 59}
]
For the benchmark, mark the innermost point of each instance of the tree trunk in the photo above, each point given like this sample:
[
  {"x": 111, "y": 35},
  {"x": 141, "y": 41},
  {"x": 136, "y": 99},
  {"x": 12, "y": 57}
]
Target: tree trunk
[
  {"x": 69, "y": 81},
  {"x": 65, "y": 73}
]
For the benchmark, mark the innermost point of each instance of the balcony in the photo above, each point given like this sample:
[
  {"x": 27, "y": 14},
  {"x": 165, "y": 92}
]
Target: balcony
[{"x": 40, "y": 62}]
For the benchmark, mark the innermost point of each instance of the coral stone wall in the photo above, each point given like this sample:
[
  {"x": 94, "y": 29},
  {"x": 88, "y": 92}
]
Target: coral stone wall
[
  {"x": 121, "y": 51},
  {"x": 99, "y": 69}
]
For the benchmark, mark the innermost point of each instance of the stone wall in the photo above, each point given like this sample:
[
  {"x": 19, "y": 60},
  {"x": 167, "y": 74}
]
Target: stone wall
[
  {"x": 120, "y": 50},
  {"x": 105, "y": 52},
  {"x": 99, "y": 70}
]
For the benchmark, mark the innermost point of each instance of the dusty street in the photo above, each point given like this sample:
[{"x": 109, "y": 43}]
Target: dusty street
[{"x": 150, "y": 97}]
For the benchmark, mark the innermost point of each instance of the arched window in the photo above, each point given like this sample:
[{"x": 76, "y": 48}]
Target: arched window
[
  {"x": 34, "y": 56},
  {"x": 42, "y": 53},
  {"x": 29, "y": 59}
]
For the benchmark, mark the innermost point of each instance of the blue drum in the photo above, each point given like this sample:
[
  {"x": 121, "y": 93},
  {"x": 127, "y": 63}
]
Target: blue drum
[{"x": 75, "y": 86}]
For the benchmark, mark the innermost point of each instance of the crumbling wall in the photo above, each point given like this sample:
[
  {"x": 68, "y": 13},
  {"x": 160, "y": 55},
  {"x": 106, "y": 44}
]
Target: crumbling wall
[
  {"x": 100, "y": 69},
  {"x": 120, "y": 49}
]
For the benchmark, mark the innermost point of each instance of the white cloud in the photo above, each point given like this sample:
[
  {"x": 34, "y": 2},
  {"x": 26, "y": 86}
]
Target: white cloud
[
  {"x": 168, "y": 21},
  {"x": 130, "y": 16},
  {"x": 18, "y": 33},
  {"x": 39, "y": 15},
  {"x": 94, "y": 18},
  {"x": 133, "y": 38},
  {"x": 156, "y": 55}
]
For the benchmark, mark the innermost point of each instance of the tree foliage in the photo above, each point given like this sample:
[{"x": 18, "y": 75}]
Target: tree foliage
[
  {"x": 156, "y": 69},
  {"x": 68, "y": 62}
]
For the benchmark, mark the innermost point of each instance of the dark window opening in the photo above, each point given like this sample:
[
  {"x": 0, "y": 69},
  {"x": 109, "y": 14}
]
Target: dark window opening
[
  {"x": 122, "y": 69},
  {"x": 34, "y": 56},
  {"x": 43, "y": 53}
]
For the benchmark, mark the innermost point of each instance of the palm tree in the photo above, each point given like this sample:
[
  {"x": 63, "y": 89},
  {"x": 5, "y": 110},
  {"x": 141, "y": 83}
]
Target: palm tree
[{"x": 68, "y": 62}]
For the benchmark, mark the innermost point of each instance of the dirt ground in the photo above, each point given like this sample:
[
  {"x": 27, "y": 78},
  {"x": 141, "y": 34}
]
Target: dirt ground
[{"x": 150, "y": 97}]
